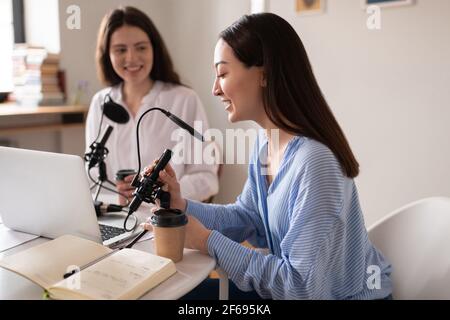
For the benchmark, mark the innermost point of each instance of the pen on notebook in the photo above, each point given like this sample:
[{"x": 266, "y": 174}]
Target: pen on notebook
[
  {"x": 132, "y": 243},
  {"x": 72, "y": 272}
]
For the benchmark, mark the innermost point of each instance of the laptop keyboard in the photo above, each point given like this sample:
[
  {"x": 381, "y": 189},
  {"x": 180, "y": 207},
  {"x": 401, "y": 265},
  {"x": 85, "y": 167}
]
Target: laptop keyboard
[{"x": 109, "y": 232}]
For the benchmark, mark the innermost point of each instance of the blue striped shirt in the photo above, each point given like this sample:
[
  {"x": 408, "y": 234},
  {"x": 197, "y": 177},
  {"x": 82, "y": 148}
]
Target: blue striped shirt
[{"x": 310, "y": 220}]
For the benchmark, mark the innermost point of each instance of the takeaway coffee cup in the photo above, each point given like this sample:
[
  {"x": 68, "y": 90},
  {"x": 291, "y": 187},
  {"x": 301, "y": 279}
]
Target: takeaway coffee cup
[
  {"x": 120, "y": 176},
  {"x": 169, "y": 230}
]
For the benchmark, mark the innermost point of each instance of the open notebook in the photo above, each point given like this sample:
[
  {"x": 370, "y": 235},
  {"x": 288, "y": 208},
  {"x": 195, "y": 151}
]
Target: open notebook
[{"x": 104, "y": 273}]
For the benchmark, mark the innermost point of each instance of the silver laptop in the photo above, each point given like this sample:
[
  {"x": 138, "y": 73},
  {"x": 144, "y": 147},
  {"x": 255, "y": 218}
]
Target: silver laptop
[{"x": 47, "y": 194}]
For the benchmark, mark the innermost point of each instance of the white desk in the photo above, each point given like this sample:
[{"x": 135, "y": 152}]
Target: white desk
[{"x": 191, "y": 271}]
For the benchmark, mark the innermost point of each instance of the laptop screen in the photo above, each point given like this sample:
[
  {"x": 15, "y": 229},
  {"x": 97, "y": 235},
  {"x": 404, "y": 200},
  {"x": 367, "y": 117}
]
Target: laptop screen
[{"x": 46, "y": 194}]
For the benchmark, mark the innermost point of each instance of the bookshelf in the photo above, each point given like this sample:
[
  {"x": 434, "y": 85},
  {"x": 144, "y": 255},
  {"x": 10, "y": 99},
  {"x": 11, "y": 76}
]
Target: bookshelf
[
  {"x": 56, "y": 118},
  {"x": 37, "y": 77}
]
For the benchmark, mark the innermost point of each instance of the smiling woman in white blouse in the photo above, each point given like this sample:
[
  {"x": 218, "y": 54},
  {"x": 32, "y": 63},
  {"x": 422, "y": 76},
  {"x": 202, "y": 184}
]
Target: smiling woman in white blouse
[{"x": 134, "y": 64}]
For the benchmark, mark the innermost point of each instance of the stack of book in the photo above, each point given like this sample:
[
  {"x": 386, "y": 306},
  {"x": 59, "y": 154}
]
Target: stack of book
[{"x": 37, "y": 78}]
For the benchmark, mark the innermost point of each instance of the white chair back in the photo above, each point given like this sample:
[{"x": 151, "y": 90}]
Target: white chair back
[{"x": 416, "y": 241}]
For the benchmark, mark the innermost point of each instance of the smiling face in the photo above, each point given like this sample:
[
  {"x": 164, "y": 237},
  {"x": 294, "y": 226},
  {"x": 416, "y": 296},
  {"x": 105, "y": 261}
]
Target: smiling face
[
  {"x": 131, "y": 54},
  {"x": 239, "y": 87}
]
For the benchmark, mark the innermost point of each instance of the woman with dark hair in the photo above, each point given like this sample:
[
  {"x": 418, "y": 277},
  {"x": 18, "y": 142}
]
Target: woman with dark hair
[
  {"x": 300, "y": 201},
  {"x": 133, "y": 61}
]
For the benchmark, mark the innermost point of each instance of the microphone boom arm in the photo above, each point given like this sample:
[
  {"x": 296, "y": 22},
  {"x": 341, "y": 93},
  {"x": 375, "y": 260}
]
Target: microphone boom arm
[
  {"x": 149, "y": 188},
  {"x": 172, "y": 117}
]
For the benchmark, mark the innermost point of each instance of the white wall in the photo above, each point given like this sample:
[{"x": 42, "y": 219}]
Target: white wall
[
  {"x": 389, "y": 89},
  {"x": 390, "y": 92},
  {"x": 192, "y": 47}
]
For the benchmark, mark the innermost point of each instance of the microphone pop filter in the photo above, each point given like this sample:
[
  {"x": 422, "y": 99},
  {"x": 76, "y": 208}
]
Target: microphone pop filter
[{"x": 115, "y": 112}]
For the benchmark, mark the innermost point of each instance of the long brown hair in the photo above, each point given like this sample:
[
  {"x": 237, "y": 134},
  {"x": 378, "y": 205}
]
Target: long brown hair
[
  {"x": 162, "y": 63},
  {"x": 292, "y": 98}
]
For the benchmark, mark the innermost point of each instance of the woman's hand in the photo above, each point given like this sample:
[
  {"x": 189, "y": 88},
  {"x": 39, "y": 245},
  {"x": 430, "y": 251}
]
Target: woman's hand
[
  {"x": 169, "y": 178},
  {"x": 196, "y": 235},
  {"x": 125, "y": 189}
]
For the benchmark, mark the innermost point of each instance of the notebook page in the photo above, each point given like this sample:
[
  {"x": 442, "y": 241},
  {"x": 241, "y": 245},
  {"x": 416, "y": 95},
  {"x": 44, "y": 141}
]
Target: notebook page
[
  {"x": 127, "y": 274},
  {"x": 46, "y": 263}
]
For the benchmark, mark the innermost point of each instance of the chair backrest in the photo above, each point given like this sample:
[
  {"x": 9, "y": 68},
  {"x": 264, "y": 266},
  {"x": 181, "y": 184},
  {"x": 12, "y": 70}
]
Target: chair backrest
[
  {"x": 416, "y": 241},
  {"x": 219, "y": 174}
]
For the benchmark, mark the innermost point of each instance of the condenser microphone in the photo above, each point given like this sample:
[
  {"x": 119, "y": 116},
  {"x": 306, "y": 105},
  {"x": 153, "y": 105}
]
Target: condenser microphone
[
  {"x": 145, "y": 187},
  {"x": 185, "y": 126},
  {"x": 98, "y": 150}
]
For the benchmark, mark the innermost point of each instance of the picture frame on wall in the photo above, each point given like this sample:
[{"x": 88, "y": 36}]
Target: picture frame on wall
[
  {"x": 309, "y": 7},
  {"x": 387, "y": 3},
  {"x": 258, "y": 6}
]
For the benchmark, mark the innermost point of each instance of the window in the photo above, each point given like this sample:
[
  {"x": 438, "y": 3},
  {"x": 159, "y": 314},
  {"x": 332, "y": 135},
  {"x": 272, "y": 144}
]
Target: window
[
  {"x": 11, "y": 31},
  {"x": 7, "y": 39}
]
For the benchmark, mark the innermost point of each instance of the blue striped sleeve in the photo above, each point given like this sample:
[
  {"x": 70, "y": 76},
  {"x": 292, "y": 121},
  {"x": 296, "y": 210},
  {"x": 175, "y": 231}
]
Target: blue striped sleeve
[
  {"x": 320, "y": 246},
  {"x": 239, "y": 221},
  {"x": 307, "y": 250}
]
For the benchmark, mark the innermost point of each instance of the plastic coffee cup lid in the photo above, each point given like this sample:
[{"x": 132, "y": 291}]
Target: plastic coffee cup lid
[
  {"x": 169, "y": 218},
  {"x": 121, "y": 174}
]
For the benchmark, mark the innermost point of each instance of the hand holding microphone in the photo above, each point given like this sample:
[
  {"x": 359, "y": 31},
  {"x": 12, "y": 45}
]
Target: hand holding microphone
[
  {"x": 148, "y": 188},
  {"x": 169, "y": 178},
  {"x": 196, "y": 234}
]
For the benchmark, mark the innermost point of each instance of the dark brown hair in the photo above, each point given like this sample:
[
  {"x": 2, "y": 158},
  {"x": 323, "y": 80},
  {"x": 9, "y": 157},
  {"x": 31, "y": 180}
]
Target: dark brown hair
[
  {"x": 162, "y": 63},
  {"x": 292, "y": 98}
]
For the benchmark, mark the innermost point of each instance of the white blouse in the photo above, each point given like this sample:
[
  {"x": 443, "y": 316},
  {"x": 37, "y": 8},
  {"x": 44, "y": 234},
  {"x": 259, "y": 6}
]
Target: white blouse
[{"x": 198, "y": 181}]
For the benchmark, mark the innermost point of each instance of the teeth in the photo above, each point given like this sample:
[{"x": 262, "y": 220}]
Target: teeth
[{"x": 132, "y": 68}]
